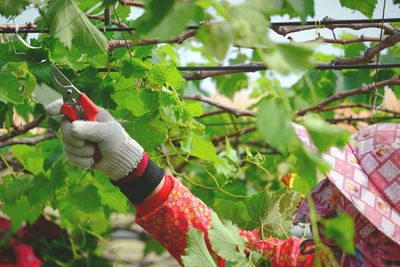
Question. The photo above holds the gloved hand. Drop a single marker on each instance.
(119, 152)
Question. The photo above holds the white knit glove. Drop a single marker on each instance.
(119, 152)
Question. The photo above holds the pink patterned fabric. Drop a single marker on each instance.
(368, 174)
(373, 247)
(169, 224)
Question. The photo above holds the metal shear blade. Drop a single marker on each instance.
(70, 93)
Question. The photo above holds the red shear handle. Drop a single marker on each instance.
(89, 108)
(70, 112)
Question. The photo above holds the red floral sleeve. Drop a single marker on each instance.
(177, 209)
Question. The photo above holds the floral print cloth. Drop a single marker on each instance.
(169, 224)
(373, 247)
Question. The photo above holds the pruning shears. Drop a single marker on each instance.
(77, 105)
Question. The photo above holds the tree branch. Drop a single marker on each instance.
(363, 89)
(360, 39)
(20, 26)
(28, 140)
(364, 119)
(25, 128)
(235, 111)
(243, 131)
(113, 44)
(359, 105)
(370, 54)
(285, 30)
(131, 3)
(202, 74)
(104, 19)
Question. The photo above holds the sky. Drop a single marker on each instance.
(331, 8)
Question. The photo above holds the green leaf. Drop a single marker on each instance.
(230, 84)
(133, 68)
(10, 8)
(22, 74)
(162, 74)
(341, 229)
(9, 90)
(85, 198)
(110, 195)
(234, 211)
(153, 245)
(306, 167)
(155, 19)
(225, 239)
(196, 252)
(155, 12)
(70, 25)
(20, 212)
(138, 101)
(293, 57)
(273, 211)
(303, 7)
(216, 38)
(201, 148)
(12, 188)
(274, 124)
(30, 157)
(325, 135)
(366, 7)
(193, 108)
(44, 188)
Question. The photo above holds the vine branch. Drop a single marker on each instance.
(235, 111)
(131, 3)
(28, 140)
(363, 89)
(25, 128)
(113, 44)
(370, 54)
(358, 105)
(360, 39)
(285, 30)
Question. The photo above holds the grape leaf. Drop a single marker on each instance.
(153, 245)
(325, 135)
(12, 188)
(225, 239)
(134, 67)
(21, 211)
(234, 211)
(31, 157)
(341, 229)
(162, 74)
(9, 90)
(43, 188)
(109, 194)
(85, 198)
(138, 101)
(306, 166)
(186, 11)
(293, 57)
(10, 8)
(366, 7)
(273, 122)
(217, 38)
(70, 25)
(273, 211)
(199, 147)
(304, 8)
(196, 252)
(20, 72)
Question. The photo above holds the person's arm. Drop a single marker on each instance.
(169, 211)
(165, 208)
